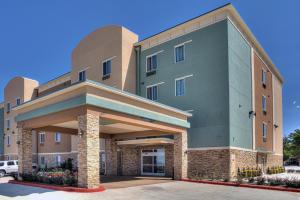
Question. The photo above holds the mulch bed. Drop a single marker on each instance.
(59, 188)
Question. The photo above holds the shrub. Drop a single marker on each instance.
(52, 177)
(249, 172)
(260, 180)
(276, 181)
(275, 170)
(294, 183)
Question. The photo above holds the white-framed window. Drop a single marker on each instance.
(42, 137)
(82, 75)
(106, 68)
(179, 87)
(264, 131)
(8, 140)
(151, 63)
(179, 52)
(58, 160)
(42, 160)
(264, 77)
(152, 92)
(8, 107)
(264, 104)
(57, 137)
(18, 101)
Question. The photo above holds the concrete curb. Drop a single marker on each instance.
(59, 188)
(264, 187)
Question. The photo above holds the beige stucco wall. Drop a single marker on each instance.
(110, 42)
(18, 87)
(278, 132)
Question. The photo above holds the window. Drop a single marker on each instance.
(179, 53)
(8, 124)
(264, 132)
(57, 137)
(264, 78)
(264, 104)
(82, 76)
(151, 63)
(8, 140)
(179, 87)
(106, 68)
(152, 93)
(18, 101)
(1, 164)
(42, 138)
(10, 163)
(57, 160)
(42, 160)
(8, 107)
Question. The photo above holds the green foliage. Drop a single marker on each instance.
(67, 164)
(291, 145)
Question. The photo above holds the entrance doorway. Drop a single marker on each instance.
(153, 162)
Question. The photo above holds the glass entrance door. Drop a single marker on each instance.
(153, 162)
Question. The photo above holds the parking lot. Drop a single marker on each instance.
(174, 190)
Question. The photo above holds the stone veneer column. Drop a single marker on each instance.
(88, 151)
(111, 157)
(24, 151)
(180, 155)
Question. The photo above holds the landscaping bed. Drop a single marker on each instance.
(265, 187)
(274, 179)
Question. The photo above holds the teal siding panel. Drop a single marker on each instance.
(206, 58)
(240, 89)
(1, 131)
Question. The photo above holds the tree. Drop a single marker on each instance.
(291, 145)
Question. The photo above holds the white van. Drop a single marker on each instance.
(8, 167)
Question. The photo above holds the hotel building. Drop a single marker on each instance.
(198, 100)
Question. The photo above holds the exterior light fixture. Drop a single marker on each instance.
(80, 133)
(252, 114)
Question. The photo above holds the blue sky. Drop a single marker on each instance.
(37, 37)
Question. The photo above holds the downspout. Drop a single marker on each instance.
(137, 60)
(37, 149)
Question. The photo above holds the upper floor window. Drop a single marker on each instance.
(18, 101)
(8, 107)
(106, 68)
(179, 87)
(57, 137)
(179, 53)
(151, 63)
(82, 76)
(8, 124)
(264, 78)
(264, 104)
(8, 140)
(42, 138)
(152, 92)
(264, 131)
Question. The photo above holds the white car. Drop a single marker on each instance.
(8, 167)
